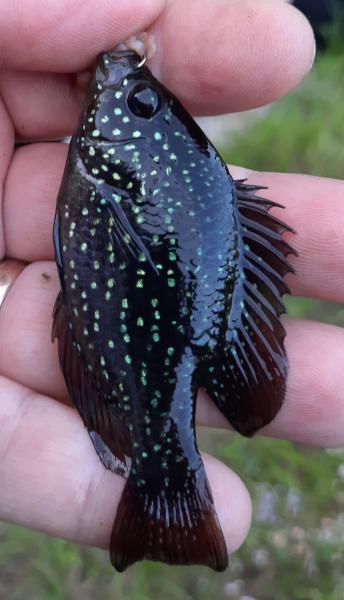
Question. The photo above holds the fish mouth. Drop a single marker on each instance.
(115, 65)
(131, 54)
(124, 57)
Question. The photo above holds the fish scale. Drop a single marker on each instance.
(171, 279)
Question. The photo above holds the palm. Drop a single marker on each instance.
(50, 476)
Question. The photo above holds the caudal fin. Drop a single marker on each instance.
(179, 528)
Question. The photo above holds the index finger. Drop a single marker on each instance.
(66, 35)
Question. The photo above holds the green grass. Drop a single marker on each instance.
(303, 133)
(296, 546)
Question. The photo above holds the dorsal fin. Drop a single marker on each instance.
(249, 387)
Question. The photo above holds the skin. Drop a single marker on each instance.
(51, 478)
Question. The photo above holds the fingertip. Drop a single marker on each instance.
(238, 56)
(300, 47)
(282, 50)
(232, 502)
(240, 172)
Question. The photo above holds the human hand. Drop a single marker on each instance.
(216, 57)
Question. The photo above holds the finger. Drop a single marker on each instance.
(313, 208)
(28, 211)
(42, 105)
(68, 34)
(313, 411)
(27, 354)
(6, 149)
(239, 56)
(52, 480)
(10, 269)
(216, 56)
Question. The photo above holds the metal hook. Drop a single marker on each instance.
(142, 62)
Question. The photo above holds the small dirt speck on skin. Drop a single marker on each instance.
(46, 276)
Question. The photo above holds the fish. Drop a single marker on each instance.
(172, 276)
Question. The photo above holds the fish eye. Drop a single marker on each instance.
(144, 101)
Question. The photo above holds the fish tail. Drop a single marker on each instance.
(177, 527)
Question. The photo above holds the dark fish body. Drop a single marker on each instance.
(171, 279)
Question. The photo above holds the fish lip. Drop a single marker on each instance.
(124, 57)
(115, 65)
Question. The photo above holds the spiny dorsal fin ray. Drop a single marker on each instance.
(249, 390)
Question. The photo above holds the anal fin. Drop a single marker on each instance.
(247, 379)
(107, 457)
(107, 431)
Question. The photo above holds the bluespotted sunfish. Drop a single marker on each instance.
(172, 275)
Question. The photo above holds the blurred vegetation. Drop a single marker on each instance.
(303, 133)
(295, 550)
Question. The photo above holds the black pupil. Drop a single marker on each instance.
(143, 101)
